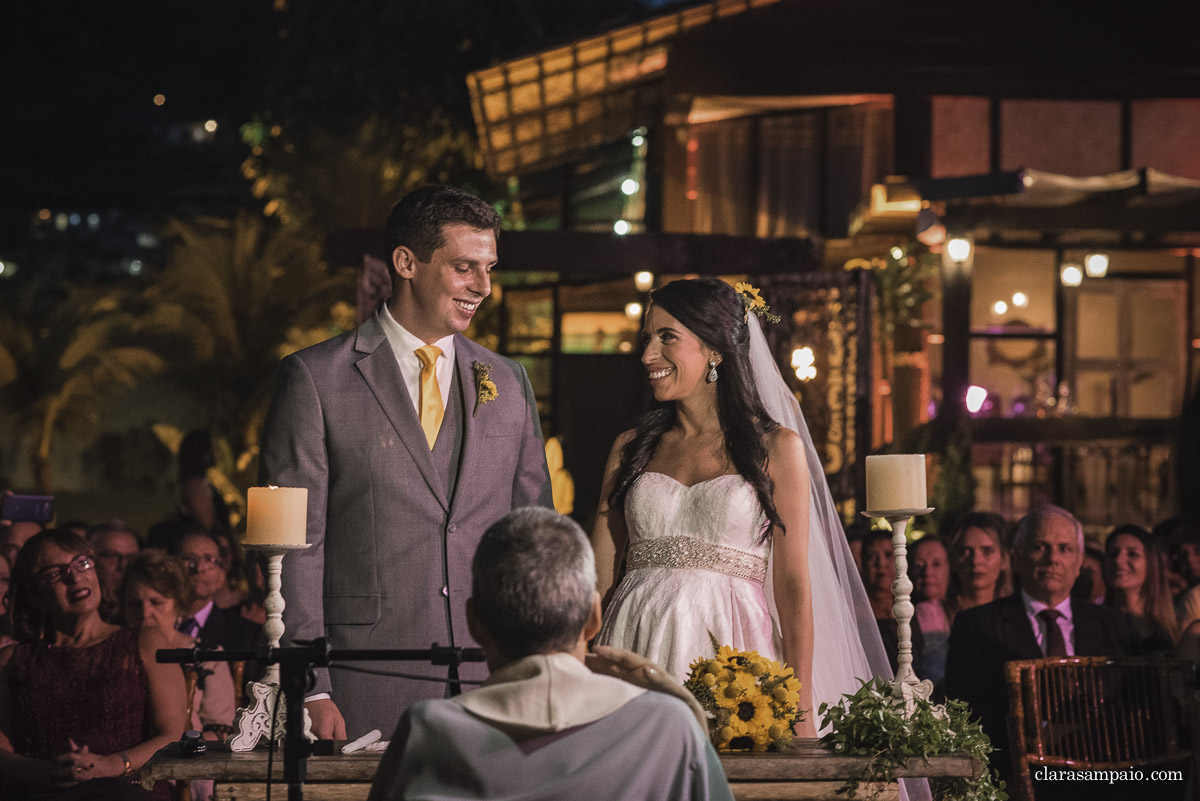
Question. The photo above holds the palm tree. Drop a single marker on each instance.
(242, 294)
(59, 365)
(336, 180)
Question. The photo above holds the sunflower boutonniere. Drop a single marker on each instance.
(753, 302)
(485, 389)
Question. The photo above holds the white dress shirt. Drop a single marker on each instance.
(404, 344)
(1066, 621)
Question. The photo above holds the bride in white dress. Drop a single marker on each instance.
(716, 506)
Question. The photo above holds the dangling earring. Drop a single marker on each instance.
(712, 371)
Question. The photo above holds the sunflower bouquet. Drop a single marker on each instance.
(753, 701)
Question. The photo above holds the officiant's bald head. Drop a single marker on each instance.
(533, 587)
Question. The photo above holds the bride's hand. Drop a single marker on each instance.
(640, 671)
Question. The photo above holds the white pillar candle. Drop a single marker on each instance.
(896, 481)
(277, 516)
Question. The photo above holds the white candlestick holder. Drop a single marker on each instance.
(906, 686)
(254, 721)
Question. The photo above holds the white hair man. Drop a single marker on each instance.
(543, 725)
(1039, 620)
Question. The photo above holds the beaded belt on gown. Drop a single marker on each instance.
(691, 553)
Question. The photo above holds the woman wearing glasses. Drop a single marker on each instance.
(81, 700)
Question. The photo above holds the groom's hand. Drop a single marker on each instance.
(327, 720)
(637, 669)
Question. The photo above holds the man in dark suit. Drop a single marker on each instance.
(212, 626)
(411, 440)
(1039, 620)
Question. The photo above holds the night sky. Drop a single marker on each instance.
(78, 81)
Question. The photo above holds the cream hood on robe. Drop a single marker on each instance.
(547, 693)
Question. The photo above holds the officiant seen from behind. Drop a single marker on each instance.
(574, 733)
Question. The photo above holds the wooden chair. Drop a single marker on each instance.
(1100, 713)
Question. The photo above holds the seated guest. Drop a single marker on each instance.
(166, 534)
(1090, 584)
(855, 532)
(573, 733)
(244, 586)
(1164, 533)
(1039, 620)
(156, 590)
(929, 569)
(81, 700)
(1132, 573)
(878, 573)
(1183, 543)
(979, 561)
(115, 548)
(212, 626)
(14, 534)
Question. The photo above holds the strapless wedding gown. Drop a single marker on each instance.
(694, 567)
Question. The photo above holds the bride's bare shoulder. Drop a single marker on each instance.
(618, 446)
(783, 439)
(785, 448)
(623, 438)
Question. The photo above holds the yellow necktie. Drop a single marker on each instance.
(431, 396)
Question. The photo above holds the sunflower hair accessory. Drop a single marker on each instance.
(752, 301)
(485, 389)
(752, 701)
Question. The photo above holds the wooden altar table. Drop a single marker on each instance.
(805, 773)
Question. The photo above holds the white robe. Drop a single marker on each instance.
(544, 728)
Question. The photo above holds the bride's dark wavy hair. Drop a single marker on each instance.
(710, 309)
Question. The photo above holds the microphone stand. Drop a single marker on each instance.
(295, 662)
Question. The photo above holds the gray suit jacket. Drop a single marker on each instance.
(390, 559)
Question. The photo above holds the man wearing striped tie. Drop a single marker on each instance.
(1041, 619)
(411, 440)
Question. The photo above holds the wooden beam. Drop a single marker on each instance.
(602, 254)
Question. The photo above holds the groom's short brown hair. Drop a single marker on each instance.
(417, 221)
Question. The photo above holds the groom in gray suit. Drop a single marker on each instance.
(411, 440)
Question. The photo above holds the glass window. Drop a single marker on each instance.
(1152, 393)
(600, 332)
(599, 317)
(1018, 374)
(1098, 316)
(530, 320)
(539, 371)
(1095, 393)
(1129, 340)
(1013, 290)
(1156, 332)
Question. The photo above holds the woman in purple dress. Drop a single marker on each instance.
(83, 704)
